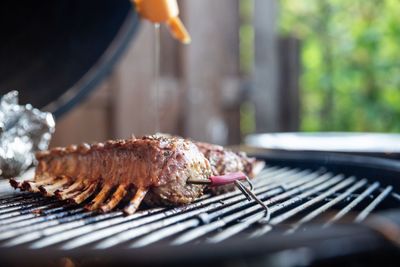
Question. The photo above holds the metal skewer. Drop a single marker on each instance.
(234, 178)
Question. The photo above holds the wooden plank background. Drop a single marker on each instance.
(200, 84)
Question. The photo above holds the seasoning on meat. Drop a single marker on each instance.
(153, 169)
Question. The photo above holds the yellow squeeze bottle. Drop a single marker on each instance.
(164, 11)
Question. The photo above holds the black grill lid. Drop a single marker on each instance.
(55, 52)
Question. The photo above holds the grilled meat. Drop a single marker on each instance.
(153, 168)
(224, 161)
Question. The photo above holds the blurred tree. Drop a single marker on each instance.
(351, 62)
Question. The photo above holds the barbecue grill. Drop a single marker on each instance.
(323, 207)
(326, 209)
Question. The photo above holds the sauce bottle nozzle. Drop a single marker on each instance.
(164, 11)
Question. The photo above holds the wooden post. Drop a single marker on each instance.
(133, 107)
(289, 52)
(208, 63)
(266, 91)
(134, 99)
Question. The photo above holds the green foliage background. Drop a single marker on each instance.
(350, 62)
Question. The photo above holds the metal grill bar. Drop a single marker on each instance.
(205, 229)
(326, 206)
(12, 198)
(24, 205)
(38, 222)
(26, 210)
(207, 217)
(32, 213)
(238, 227)
(121, 228)
(353, 204)
(54, 238)
(136, 232)
(373, 204)
(42, 222)
(17, 201)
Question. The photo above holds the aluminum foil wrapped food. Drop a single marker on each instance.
(23, 131)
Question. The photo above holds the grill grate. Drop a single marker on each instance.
(295, 198)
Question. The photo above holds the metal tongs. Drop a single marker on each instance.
(236, 178)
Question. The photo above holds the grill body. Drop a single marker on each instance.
(324, 206)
